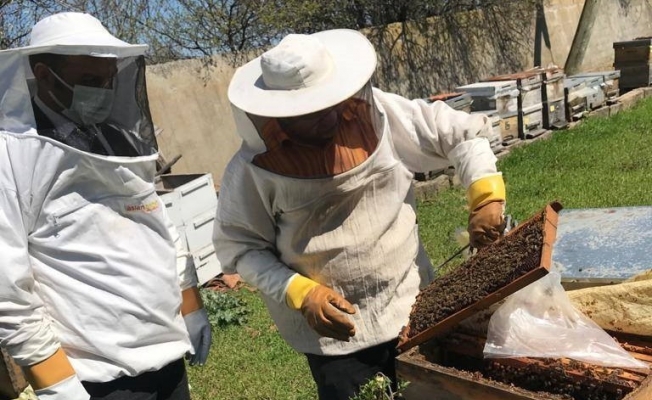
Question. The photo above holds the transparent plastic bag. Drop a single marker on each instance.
(540, 321)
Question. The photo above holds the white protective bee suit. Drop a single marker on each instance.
(355, 232)
(88, 262)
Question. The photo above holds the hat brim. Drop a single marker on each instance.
(97, 45)
(354, 60)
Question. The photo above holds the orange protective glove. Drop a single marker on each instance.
(322, 307)
(486, 198)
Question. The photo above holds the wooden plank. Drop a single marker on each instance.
(12, 380)
(643, 392)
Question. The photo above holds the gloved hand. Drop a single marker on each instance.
(68, 389)
(486, 224)
(486, 197)
(322, 307)
(197, 325)
(199, 331)
(55, 379)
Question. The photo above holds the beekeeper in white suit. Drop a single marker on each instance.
(95, 299)
(317, 208)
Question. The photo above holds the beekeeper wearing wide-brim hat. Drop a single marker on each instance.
(91, 280)
(317, 208)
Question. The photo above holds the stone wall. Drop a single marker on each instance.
(189, 103)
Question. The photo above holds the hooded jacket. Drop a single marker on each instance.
(90, 261)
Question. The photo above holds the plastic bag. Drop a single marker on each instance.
(540, 321)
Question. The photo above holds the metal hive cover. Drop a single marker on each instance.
(603, 243)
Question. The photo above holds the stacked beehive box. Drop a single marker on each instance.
(529, 100)
(494, 136)
(595, 94)
(191, 203)
(609, 82)
(553, 98)
(459, 101)
(464, 102)
(575, 93)
(633, 59)
(497, 97)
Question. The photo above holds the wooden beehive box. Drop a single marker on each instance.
(554, 100)
(633, 59)
(458, 100)
(444, 360)
(530, 101)
(452, 368)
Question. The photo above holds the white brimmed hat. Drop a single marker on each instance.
(304, 74)
(76, 33)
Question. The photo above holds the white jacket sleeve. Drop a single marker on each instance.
(185, 263)
(24, 331)
(430, 136)
(244, 233)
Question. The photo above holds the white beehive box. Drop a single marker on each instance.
(191, 203)
(501, 96)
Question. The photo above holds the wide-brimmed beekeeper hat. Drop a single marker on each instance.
(304, 74)
(73, 33)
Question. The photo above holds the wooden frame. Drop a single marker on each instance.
(549, 235)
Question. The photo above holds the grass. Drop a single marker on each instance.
(604, 162)
(251, 361)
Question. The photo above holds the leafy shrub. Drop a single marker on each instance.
(223, 309)
(380, 388)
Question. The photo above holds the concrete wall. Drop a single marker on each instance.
(618, 20)
(189, 104)
(188, 98)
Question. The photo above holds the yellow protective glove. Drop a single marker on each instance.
(486, 198)
(322, 307)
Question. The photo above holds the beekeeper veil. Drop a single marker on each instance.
(303, 75)
(115, 97)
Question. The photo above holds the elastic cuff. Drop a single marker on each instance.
(191, 300)
(50, 371)
(485, 190)
(298, 289)
(69, 389)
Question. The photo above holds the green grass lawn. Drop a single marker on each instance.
(604, 162)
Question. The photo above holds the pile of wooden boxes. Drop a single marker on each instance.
(530, 106)
(553, 97)
(633, 58)
(464, 102)
(609, 82)
(499, 98)
(191, 203)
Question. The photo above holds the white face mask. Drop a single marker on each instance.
(90, 105)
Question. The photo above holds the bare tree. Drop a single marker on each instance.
(177, 29)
